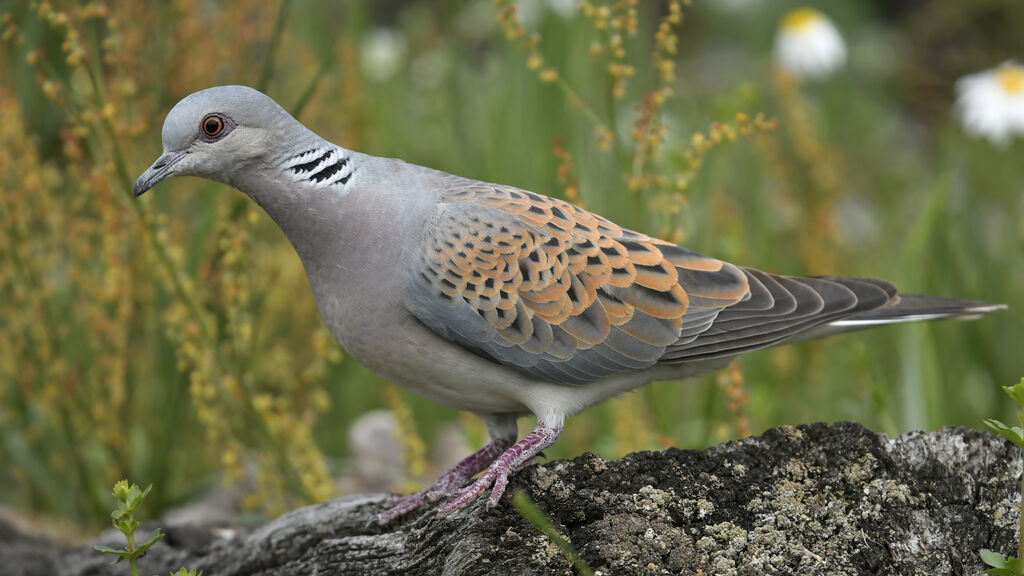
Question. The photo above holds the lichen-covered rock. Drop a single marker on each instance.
(819, 499)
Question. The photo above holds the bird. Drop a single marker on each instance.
(496, 300)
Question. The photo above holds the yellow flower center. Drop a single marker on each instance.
(800, 19)
(1011, 78)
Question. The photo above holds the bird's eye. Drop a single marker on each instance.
(213, 125)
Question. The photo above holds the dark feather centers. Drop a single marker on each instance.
(303, 168)
(329, 171)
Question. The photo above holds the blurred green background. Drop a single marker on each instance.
(174, 340)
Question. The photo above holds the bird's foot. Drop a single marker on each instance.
(496, 475)
(448, 481)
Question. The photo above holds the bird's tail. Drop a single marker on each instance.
(782, 310)
(904, 308)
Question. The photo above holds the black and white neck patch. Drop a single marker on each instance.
(321, 167)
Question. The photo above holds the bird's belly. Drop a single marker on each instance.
(383, 336)
(397, 347)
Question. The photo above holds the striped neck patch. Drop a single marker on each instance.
(320, 167)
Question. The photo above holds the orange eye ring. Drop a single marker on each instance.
(212, 125)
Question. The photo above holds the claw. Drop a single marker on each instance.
(497, 474)
(451, 480)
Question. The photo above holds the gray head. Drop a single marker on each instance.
(218, 132)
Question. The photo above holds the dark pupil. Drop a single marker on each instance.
(212, 126)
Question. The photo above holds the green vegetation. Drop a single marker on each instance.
(529, 511)
(175, 340)
(129, 497)
(1002, 565)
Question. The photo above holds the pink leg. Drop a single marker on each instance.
(497, 474)
(503, 434)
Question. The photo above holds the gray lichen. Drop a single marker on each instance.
(820, 499)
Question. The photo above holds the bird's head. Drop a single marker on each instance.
(215, 133)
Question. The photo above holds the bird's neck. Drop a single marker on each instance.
(321, 198)
(304, 189)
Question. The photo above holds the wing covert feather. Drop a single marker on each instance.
(557, 292)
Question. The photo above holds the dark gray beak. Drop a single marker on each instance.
(160, 170)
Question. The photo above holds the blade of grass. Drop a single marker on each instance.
(529, 511)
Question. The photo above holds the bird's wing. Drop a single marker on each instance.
(557, 292)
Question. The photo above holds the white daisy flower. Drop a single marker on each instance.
(991, 103)
(807, 45)
(382, 52)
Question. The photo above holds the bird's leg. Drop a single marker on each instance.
(503, 434)
(543, 435)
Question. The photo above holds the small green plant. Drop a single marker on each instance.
(186, 572)
(1003, 565)
(129, 497)
(528, 510)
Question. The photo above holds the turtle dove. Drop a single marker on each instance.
(495, 300)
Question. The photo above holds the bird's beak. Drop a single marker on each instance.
(160, 170)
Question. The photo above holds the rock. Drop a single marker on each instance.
(818, 499)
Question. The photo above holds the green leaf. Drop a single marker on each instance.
(1016, 392)
(153, 538)
(127, 525)
(1001, 565)
(1015, 434)
(992, 558)
(134, 498)
(1001, 572)
(121, 554)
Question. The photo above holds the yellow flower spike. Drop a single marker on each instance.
(548, 75)
(535, 61)
(50, 89)
(264, 404)
(229, 458)
(320, 400)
